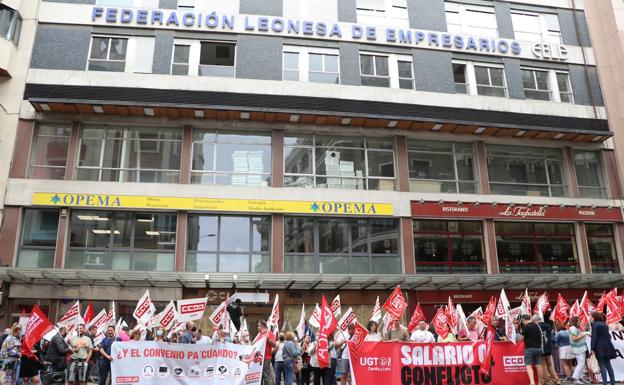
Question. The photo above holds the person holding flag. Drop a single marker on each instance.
(578, 348)
(263, 331)
(57, 350)
(373, 331)
(396, 332)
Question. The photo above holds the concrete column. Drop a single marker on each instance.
(407, 232)
(489, 239)
(9, 235)
(619, 244)
(72, 151)
(402, 164)
(568, 159)
(277, 243)
(482, 175)
(277, 163)
(23, 141)
(185, 159)
(180, 249)
(582, 248)
(61, 238)
(610, 169)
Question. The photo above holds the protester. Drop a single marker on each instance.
(104, 348)
(124, 334)
(29, 368)
(221, 335)
(290, 354)
(396, 332)
(57, 351)
(135, 334)
(549, 374)
(329, 373)
(450, 337)
(187, 337)
(159, 334)
(11, 352)
(235, 311)
(306, 370)
(566, 358)
(373, 332)
(81, 348)
(344, 366)
(499, 332)
(602, 347)
(532, 336)
(421, 334)
(278, 358)
(472, 334)
(263, 331)
(201, 338)
(578, 349)
(314, 364)
(95, 356)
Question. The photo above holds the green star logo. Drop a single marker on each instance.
(56, 199)
(314, 207)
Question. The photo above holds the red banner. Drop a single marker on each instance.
(520, 212)
(457, 363)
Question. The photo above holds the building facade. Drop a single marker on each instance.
(297, 148)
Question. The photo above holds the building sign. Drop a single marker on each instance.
(549, 51)
(279, 26)
(515, 212)
(110, 201)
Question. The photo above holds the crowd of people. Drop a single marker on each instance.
(290, 358)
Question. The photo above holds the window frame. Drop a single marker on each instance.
(15, 27)
(614, 263)
(35, 145)
(603, 181)
(22, 232)
(548, 36)
(195, 55)
(110, 38)
(385, 14)
(173, 62)
(553, 84)
(393, 68)
(303, 61)
(314, 175)
(472, 88)
(465, 27)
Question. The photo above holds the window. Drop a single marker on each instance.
(228, 158)
(111, 240)
(536, 27)
(308, 64)
(217, 59)
(460, 78)
(471, 20)
(116, 154)
(228, 7)
(326, 10)
(589, 174)
(531, 171)
(49, 151)
(10, 23)
(38, 241)
(180, 62)
(547, 85)
(108, 54)
(341, 245)
(382, 12)
(231, 244)
(448, 247)
(490, 80)
(339, 162)
(602, 251)
(441, 167)
(395, 71)
(536, 247)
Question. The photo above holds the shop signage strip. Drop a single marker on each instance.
(515, 212)
(111, 201)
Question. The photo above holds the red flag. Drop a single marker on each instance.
(359, 335)
(328, 324)
(440, 323)
(451, 315)
(487, 358)
(88, 315)
(395, 304)
(613, 307)
(38, 326)
(575, 309)
(560, 313)
(416, 318)
(601, 304)
(489, 311)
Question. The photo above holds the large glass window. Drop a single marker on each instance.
(383, 12)
(229, 244)
(527, 247)
(217, 59)
(602, 251)
(536, 27)
(589, 174)
(339, 162)
(48, 157)
(532, 171)
(441, 167)
(490, 80)
(116, 154)
(341, 245)
(542, 84)
(309, 64)
(471, 20)
(448, 246)
(395, 71)
(115, 240)
(108, 54)
(38, 241)
(180, 59)
(228, 158)
(10, 23)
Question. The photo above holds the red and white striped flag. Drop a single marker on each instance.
(275, 316)
(144, 310)
(335, 306)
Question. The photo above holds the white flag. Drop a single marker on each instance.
(244, 333)
(335, 307)
(218, 314)
(376, 311)
(385, 323)
(503, 305)
(112, 317)
(191, 309)
(145, 309)
(70, 317)
(300, 329)
(510, 329)
(526, 302)
(165, 318)
(99, 321)
(274, 317)
(315, 318)
(461, 317)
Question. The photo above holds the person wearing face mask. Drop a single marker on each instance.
(81, 348)
(105, 355)
(159, 334)
(279, 359)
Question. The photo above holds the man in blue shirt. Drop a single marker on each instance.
(187, 337)
(105, 355)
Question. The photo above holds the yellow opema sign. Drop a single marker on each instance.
(111, 201)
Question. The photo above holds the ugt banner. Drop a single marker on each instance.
(160, 363)
(455, 363)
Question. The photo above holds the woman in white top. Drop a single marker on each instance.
(279, 360)
(373, 332)
(314, 364)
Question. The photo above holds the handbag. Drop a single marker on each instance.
(298, 365)
(592, 364)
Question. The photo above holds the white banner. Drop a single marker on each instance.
(161, 363)
(617, 337)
